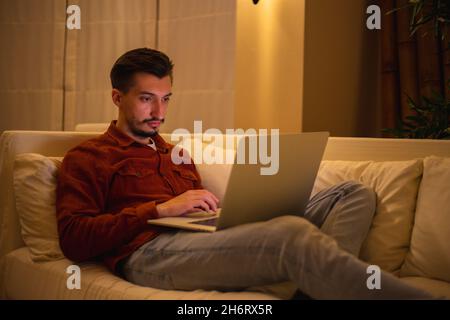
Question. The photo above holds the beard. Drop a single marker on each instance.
(133, 125)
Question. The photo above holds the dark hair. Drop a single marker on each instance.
(144, 60)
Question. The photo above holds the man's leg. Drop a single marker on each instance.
(345, 212)
(287, 248)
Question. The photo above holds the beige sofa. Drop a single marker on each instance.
(409, 236)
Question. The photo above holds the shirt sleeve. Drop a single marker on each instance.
(85, 229)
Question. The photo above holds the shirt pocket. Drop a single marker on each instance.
(135, 179)
(185, 179)
(137, 170)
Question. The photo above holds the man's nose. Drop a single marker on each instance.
(157, 109)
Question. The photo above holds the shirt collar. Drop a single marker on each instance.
(124, 140)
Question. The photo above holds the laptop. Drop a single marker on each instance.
(253, 197)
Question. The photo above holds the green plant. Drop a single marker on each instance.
(430, 119)
(428, 12)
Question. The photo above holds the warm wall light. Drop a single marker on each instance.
(255, 1)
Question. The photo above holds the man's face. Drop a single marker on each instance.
(144, 106)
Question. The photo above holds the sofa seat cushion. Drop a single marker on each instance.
(22, 278)
(436, 287)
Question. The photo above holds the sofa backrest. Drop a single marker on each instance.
(56, 143)
(378, 149)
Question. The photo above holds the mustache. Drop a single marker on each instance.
(154, 119)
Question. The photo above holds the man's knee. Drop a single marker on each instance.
(290, 221)
(294, 234)
(359, 191)
(285, 228)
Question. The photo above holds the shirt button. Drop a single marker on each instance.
(138, 174)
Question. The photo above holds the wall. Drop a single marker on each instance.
(341, 80)
(296, 65)
(199, 36)
(269, 65)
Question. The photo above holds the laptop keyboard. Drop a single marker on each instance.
(210, 222)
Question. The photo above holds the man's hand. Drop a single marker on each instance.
(188, 202)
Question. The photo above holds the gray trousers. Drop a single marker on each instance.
(322, 263)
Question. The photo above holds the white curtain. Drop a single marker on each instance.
(109, 28)
(31, 64)
(53, 78)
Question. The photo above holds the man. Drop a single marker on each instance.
(111, 185)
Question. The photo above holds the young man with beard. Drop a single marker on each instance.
(111, 185)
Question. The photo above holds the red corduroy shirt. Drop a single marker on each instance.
(108, 187)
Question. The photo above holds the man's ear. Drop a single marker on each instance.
(116, 97)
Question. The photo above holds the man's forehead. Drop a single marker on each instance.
(150, 84)
(155, 93)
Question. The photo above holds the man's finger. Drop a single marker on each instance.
(215, 198)
(210, 200)
(201, 205)
(210, 194)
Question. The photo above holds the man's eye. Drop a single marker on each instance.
(145, 99)
(166, 99)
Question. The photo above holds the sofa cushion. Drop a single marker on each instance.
(48, 280)
(333, 172)
(215, 175)
(429, 254)
(396, 184)
(440, 289)
(215, 178)
(34, 187)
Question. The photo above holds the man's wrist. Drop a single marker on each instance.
(160, 210)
